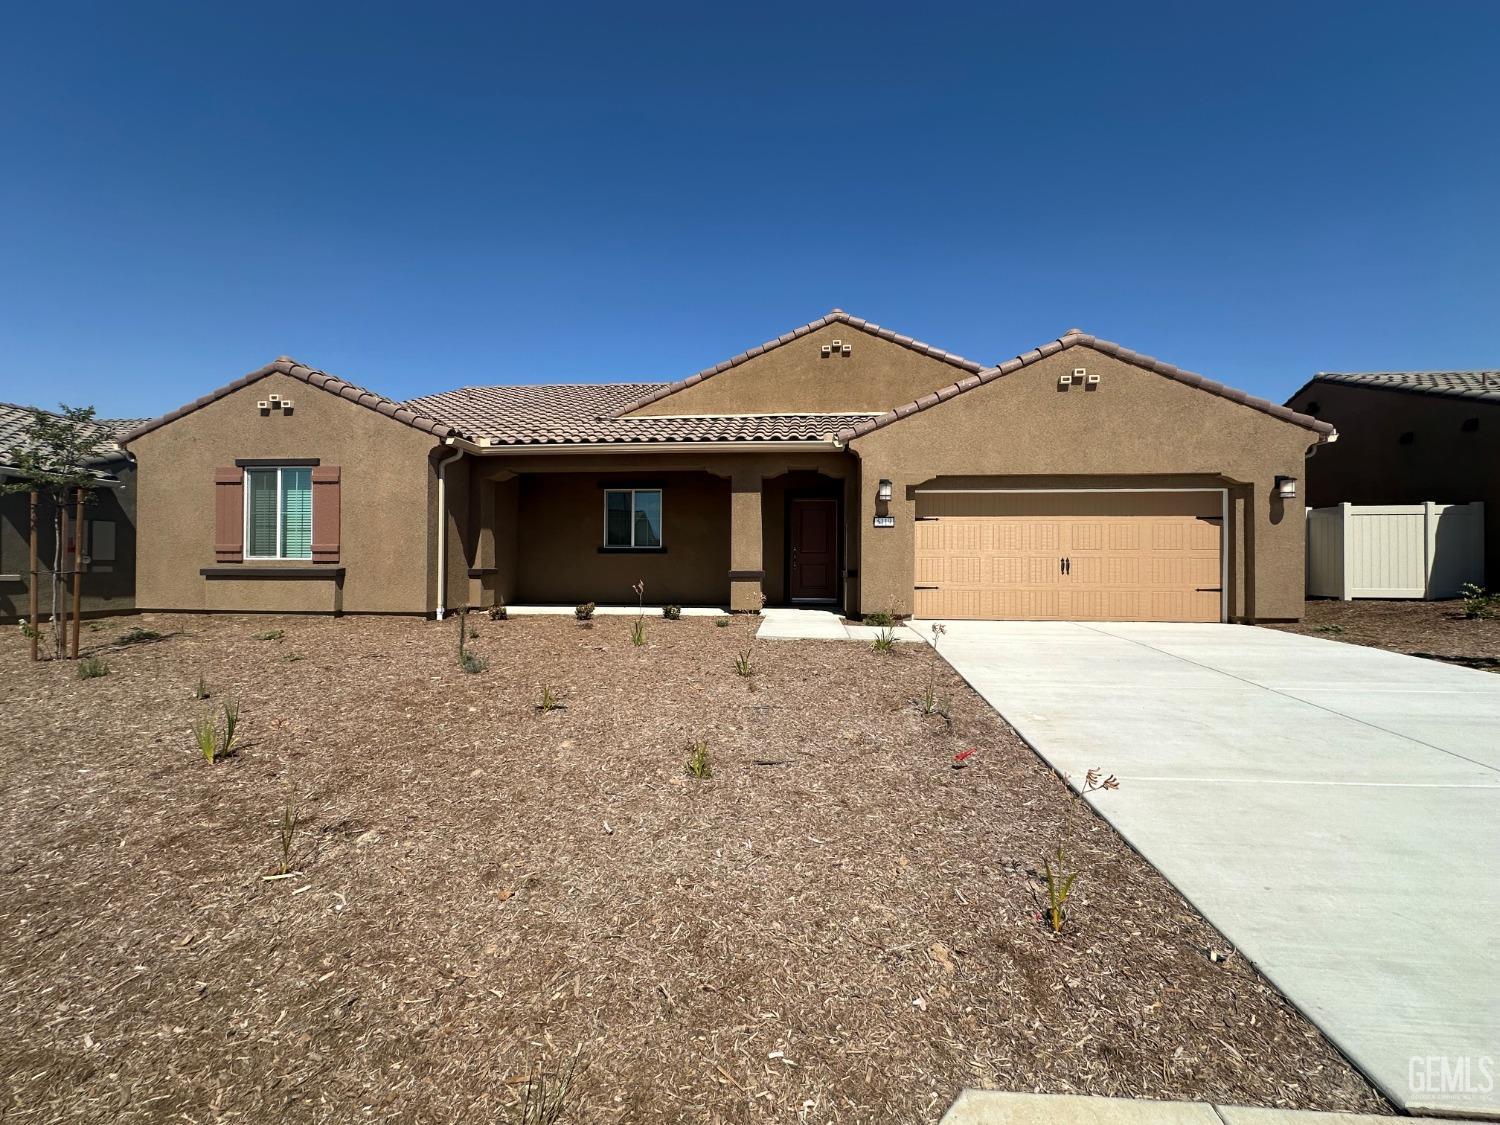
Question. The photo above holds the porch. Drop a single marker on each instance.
(738, 531)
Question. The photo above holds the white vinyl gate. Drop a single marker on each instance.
(1394, 550)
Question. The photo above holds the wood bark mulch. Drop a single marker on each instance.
(836, 926)
(1432, 630)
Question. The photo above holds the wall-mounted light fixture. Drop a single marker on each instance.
(1286, 487)
(883, 491)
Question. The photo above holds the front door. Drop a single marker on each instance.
(814, 549)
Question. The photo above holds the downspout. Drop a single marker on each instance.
(442, 529)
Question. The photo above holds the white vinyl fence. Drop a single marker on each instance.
(1394, 550)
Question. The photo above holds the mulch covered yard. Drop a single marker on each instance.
(1435, 630)
(836, 926)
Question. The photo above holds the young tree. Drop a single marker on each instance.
(52, 460)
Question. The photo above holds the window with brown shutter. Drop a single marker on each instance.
(229, 514)
(325, 514)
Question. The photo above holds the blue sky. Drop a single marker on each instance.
(415, 197)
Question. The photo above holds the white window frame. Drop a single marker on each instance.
(279, 470)
(661, 505)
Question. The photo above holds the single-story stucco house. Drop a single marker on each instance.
(841, 464)
(1408, 437)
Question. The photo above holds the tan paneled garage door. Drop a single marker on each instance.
(1084, 556)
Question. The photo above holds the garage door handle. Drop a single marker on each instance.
(927, 587)
(1210, 589)
(1065, 566)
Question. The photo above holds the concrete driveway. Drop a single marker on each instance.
(1334, 810)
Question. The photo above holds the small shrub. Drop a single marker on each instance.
(231, 721)
(138, 636)
(545, 1098)
(291, 658)
(201, 691)
(549, 701)
(207, 738)
(273, 635)
(473, 664)
(721, 622)
(211, 744)
(95, 626)
(473, 633)
(1330, 629)
(885, 640)
(1059, 887)
(498, 613)
(288, 835)
(1478, 602)
(671, 612)
(638, 632)
(930, 703)
(91, 668)
(742, 665)
(29, 630)
(880, 620)
(1059, 881)
(697, 761)
(585, 612)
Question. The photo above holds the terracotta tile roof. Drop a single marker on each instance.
(313, 378)
(1481, 385)
(1069, 339)
(584, 414)
(16, 420)
(837, 316)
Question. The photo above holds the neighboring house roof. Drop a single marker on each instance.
(15, 422)
(837, 316)
(1071, 338)
(586, 414)
(313, 378)
(1481, 385)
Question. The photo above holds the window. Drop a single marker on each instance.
(278, 513)
(632, 518)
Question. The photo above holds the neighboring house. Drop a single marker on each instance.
(1406, 437)
(841, 464)
(109, 534)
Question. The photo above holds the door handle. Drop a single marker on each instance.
(1065, 565)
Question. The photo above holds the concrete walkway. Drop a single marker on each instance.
(990, 1107)
(820, 625)
(1334, 810)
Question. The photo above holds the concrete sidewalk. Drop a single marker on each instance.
(1333, 810)
(991, 1107)
(821, 625)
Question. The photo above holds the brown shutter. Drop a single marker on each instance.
(229, 515)
(325, 513)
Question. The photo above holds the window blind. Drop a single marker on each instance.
(260, 519)
(296, 513)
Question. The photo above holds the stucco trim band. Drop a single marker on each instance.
(335, 572)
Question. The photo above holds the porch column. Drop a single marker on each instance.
(746, 561)
(482, 568)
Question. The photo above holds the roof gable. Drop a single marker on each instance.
(312, 377)
(1074, 338)
(835, 317)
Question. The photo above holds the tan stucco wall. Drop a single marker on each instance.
(1134, 429)
(878, 376)
(388, 511)
(1443, 462)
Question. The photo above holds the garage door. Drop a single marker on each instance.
(1087, 556)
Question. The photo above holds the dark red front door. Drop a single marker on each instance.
(814, 543)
